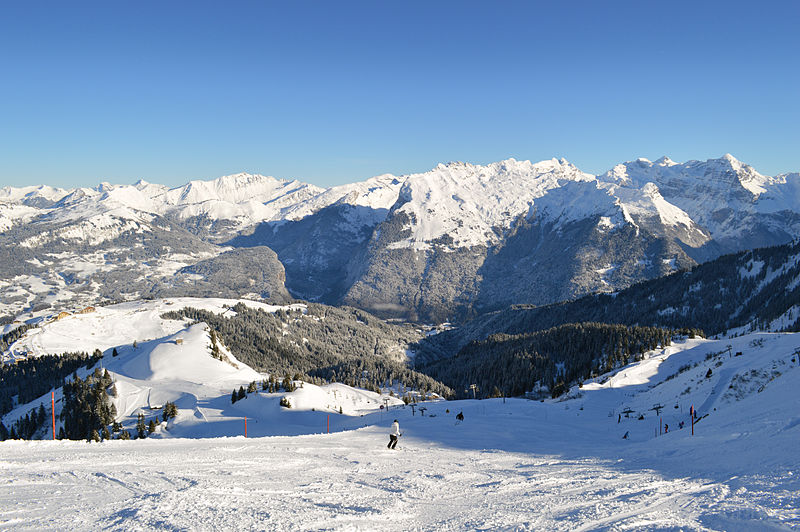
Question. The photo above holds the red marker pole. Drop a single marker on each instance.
(53, 410)
(245, 426)
(691, 413)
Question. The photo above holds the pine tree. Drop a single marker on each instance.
(151, 427)
(242, 394)
(252, 387)
(215, 346)
(234, 396)
(94, 436)
(140, 426)
(114, 352)
(105, 434)
(170, 411)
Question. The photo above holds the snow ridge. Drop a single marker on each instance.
(473, 204)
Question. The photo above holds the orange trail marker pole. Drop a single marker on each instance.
(53, 410)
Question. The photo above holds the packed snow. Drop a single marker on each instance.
(511, 464)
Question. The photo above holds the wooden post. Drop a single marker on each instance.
(53, 407)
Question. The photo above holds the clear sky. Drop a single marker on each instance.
(331, 92)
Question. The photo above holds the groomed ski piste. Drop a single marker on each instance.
(512, 464)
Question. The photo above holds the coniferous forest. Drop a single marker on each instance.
(550, 360)
(335, 344)
(30, 378)
(87, 411)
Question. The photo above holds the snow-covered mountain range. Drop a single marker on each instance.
(436, 246)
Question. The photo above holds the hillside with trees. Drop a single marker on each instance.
(548, 361)
(334, 344)
(756, 290)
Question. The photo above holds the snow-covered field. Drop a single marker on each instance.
(510, 465)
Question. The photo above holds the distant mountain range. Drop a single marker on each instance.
(443, 245)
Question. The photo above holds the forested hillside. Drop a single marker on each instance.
(28, 379)
(758, 289)
(549, 361)
(336, 344)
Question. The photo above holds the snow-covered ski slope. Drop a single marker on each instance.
(510, 465)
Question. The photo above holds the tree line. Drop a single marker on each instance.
(326, 343)
(33, 377)
(553, 359)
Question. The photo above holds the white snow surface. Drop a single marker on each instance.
(118, 325)
(512, 464)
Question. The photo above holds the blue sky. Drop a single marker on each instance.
(335, 92)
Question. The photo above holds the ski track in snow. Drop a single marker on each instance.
(349, 481)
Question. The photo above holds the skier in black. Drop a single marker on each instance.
(460, 416)
(394, 435)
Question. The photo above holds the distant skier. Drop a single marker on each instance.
(625, 437)
(394, 435)
(460, 416)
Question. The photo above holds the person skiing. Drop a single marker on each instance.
(394, 435)
(460, 416)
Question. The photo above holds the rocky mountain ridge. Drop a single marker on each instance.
(441, 245)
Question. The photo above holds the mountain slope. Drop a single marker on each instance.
(742, 292)
(730, 199)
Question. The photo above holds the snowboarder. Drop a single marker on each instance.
(460, 416)
(666, 428)
(394, 435)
